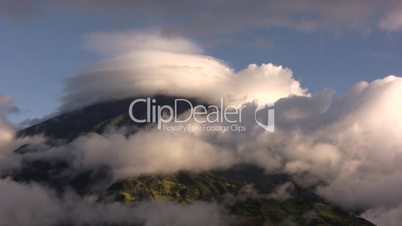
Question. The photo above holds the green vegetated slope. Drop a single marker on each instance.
(256, 207)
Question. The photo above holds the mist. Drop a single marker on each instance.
(36, 205)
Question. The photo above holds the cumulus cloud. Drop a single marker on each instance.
(149, 63)
(352, 143)
(32, 204)
(366, 133)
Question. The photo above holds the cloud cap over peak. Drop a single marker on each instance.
(172, 66)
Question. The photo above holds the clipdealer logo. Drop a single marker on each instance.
(207, 118)
(267, 123)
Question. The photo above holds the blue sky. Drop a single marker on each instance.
(45, 45)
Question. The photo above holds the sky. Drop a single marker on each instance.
(325, 45)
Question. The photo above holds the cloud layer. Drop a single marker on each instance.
(32, 204)
(226, 16)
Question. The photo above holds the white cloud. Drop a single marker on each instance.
(172, 66)
(140, 154)
(356, 146)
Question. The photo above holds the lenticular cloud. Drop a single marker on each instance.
(148, 63)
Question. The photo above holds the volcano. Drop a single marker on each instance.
(249, 194)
